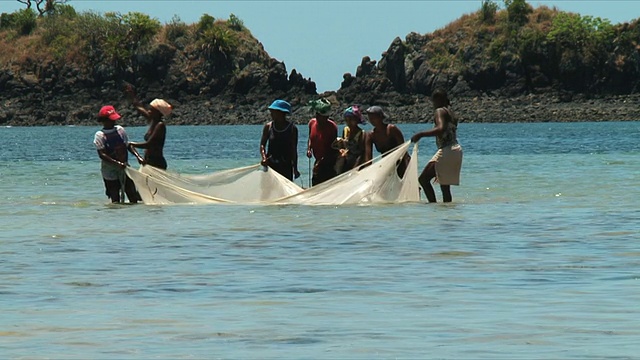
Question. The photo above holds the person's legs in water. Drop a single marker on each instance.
(130, 189)
(323, 171)
(112, 190)
(446, 193)
(425, 177)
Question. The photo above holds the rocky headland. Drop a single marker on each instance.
(518, 64)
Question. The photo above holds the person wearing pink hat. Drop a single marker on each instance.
(154, 139)
(112, 143)
(352, 143)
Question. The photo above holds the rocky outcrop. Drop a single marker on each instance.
(525, 70)
(205, 87)
(491, 75)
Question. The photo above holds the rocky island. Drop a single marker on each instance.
(517, 64)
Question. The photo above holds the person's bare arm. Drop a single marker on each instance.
(368, 146)
(104, 156)
(309, 153)
(396, 134)
(263, 144)
(437, 129)
(294, 152)
(133, 98)
(135, 153)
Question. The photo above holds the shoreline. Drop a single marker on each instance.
(482, 109)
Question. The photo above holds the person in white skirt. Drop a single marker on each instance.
(445, 165)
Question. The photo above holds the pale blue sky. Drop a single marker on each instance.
(325, 39)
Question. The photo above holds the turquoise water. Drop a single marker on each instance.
(538, 256)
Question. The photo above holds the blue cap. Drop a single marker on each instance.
(281, 105)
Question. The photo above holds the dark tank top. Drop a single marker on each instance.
(280, 143)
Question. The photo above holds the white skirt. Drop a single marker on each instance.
(448, 164)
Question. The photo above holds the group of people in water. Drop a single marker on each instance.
(113, 144)
(332, 155)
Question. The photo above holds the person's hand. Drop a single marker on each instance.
(264, 161)
(296, 173)
(415, 138)
(309, 153)
(122, 165)
(141, 161)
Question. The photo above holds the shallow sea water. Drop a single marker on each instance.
(537, 257)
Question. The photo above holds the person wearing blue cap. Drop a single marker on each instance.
(279, 142)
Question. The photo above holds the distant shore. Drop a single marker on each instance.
(484, 109)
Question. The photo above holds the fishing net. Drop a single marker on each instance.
(374, 184)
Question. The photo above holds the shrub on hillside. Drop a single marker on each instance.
(24, 21)
(518, 11)
(218, 40)
(488, 11)
(206, 22)
(589, 38)
(59, 35)
(63, 10)
(175, 30)
(235, 23)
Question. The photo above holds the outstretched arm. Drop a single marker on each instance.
(133, 98)
(135, 153)
(104, 156)
(436, 130)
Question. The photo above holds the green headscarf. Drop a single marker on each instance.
(320, 107)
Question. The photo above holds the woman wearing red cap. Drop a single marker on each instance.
(153, 143)
(112, 143)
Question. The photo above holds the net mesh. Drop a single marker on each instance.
(374, 184)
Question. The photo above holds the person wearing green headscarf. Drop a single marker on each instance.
(322, 132)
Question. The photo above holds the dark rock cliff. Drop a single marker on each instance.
(218, 73)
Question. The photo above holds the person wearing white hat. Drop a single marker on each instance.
(154, 139)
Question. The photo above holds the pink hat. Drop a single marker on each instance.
(109, 112)
(162, 106)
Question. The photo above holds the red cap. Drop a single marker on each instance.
(109, 112)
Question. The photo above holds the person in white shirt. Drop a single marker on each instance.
(112, 144)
